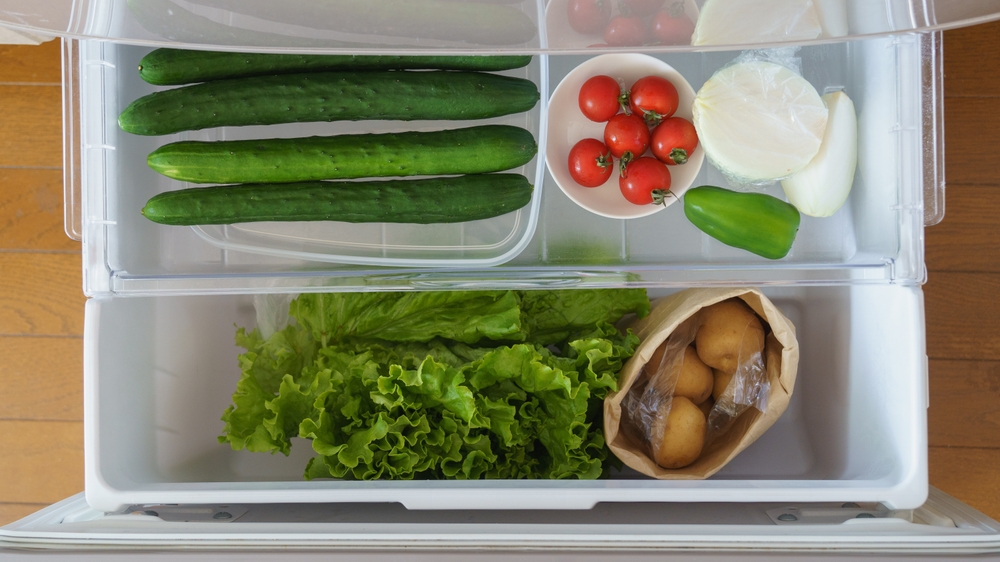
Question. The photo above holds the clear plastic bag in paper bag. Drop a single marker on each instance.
(666, 420)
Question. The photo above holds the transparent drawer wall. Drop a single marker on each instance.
(877, 237)
(160, 371)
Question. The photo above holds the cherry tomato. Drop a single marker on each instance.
(641, 8)
(673, 141)
(600, 98)
(625, 31)
(654, 98)
(627, 136)
(588, 16)
(646, 180)
(590, 163)
(671, 26)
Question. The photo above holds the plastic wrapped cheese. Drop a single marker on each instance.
(759, 121)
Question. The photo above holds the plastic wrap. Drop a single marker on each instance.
(758, 119)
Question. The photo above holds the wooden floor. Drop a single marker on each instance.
(41, 303)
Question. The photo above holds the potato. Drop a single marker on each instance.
(683, 435)
(722, 380)
(695, 379)
(730, 332)
(706, 407)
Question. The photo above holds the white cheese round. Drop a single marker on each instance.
(759, 121)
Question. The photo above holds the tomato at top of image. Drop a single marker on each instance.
(588, 16)
(654, 98)
(671, 26)
(645, 181)
(625, 31)
(641, 8)
(600, 98)
(673, 141)
(626, 133)
(590, 163)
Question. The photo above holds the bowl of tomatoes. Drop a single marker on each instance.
(620, 139)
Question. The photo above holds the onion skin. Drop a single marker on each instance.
(822, 187)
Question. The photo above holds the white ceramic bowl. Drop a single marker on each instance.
(568, 125)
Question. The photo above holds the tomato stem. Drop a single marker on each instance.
(625, 159)
(652, 118)
(623, 101)
(605, 160)
(679, 156)
(660, 196)
(676, 10)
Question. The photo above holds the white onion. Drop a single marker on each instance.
(725, 22)
(759, 121)
(822, 187)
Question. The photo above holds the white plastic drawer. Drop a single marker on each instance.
(160, 371)
(877, 237)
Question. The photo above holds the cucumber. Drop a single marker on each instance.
(478, 23)
(473, 150)
(329, 96)
(424, 201)
(171, 67)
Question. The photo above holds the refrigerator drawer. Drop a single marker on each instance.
(876, 237)
(160, 371)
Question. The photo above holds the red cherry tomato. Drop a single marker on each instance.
(646, 180)
(641, 8)
(673, 141)
(600, 98)
(626, 134)
(588, 16)
(590, 163)
(671, 26)
(654, 98)
(625, 31)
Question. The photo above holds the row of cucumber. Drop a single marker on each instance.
(281, 179)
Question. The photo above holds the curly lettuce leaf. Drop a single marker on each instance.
(552, 317)
(435, 407)
(464, 316)
(265, 365)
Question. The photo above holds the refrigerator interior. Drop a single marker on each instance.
(875, 237)
(160, 371)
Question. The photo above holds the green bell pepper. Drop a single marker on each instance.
(755, 222)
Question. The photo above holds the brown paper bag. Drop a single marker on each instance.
(782, 359)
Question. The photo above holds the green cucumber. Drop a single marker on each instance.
(329, 96)
(424, 201)
(171, 67)
(755, 222)
(473, 150)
